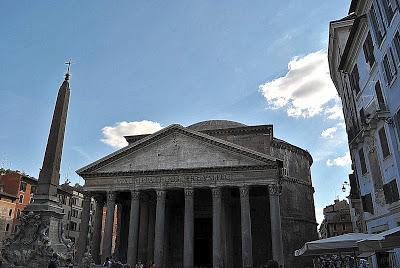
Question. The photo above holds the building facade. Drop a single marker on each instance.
(22, 187)
(337, 220)
(364, 61)
(71, 199)
(7, 209)
(217, 193)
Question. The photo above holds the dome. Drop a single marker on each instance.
(215, 124)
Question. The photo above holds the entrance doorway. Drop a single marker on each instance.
(203, 242)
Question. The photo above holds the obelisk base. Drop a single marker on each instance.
(39, 238)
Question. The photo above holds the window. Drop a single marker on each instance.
(377, 25)
(396, 44)
(390, 8)
(75, 213)
(18, 213)
(344, 227)
(367, 203)
(379, 96)
(21, 199)
(362, 161)
(389, 66)
(22, 186)
(384, 142)
(397, 123)
(354, 79)
(10, 212)
(362, 117)
(391, 192)
(7, 227)
(368, 48)
(33, 189)
(73, 226)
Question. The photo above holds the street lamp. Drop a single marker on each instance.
(345, 185)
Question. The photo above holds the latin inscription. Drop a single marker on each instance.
(174, 179)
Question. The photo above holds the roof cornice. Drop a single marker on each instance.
(360, 23)
(280, 144)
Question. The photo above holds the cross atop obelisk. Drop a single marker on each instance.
(67, 74)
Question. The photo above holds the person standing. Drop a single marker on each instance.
(139, 264)
(53, 261)
(107, 263)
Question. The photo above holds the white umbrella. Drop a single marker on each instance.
(346, 243)
(386, 240)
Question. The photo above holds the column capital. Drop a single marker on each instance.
(244, 191)
(216, 191)
(135, 194)
(87, 196)
(188, 192)
(111, 196)
(274, 190)
(99, 199)
(160, 194)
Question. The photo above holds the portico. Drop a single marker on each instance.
(187, 199)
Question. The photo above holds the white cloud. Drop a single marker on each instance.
(114, 135)
(305, 90)
(328, 133)
(335, 112)
(341, 161)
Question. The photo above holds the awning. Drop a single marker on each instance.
(386, 240)
(346, 243)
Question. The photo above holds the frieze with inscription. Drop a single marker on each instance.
(184, 180)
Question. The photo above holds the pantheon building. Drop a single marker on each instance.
(214, 194)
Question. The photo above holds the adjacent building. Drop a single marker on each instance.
(20, 186)
(71, 199)
(7, 209)
(217, 193)
(337, 220)
(364, 61)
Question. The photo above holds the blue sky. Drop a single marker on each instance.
(169, 62)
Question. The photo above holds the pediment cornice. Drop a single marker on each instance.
(268, 160)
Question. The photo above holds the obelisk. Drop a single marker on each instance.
(49, 176)
(40, 236)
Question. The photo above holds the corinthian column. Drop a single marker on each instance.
(276, 229)
(133, 228)
(84, 229)
(217, 253)
(98, 222)
(159, 229)
(107, 241)
(247, 252)
(188, 230)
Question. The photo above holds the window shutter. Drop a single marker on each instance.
(384, 142)
(389, 11)
(388, 193)
(379, 96)
(368, 48)
(355, 78)
(386, 66)
(395, 190)
(362, 161)
(393, 68)
(396, 41)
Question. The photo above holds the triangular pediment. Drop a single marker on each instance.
(177, 148)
